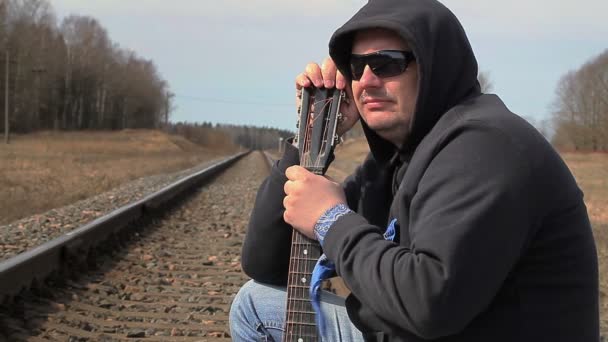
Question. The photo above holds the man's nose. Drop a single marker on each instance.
(369, 79)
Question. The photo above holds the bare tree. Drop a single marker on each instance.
(580, 110)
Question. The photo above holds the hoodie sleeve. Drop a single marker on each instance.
(265, 253)
(468, 223)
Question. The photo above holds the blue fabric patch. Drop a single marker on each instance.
(324, 269)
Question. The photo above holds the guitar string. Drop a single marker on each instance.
(317, 163)
(328, 102)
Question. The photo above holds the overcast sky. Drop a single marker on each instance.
(234, 61)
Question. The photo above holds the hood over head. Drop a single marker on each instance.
(447, 68)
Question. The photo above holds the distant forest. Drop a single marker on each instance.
(207, 134)
(72, 76)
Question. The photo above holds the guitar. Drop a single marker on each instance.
(318, 117)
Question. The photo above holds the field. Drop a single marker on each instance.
(591, 172)
(46, 170)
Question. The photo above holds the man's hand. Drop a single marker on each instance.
(328, 76)
(308, 196)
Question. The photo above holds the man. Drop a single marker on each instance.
(493, 241)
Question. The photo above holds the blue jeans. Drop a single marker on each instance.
(258, 314)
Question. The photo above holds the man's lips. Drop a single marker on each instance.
(372, 101)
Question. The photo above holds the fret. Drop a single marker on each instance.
(302, 334)
(304, 240)
(303, 338)
(304, 323)
(307, 250)
(309, 313)
(294, 286)
(310, 318)
(304, 243)
(298, 300)
(306, 259)
(302, 272)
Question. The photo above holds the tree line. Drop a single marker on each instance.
(71, 75)
(580, 110)
(250, 137)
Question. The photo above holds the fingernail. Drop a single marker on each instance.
(328, 83)
(340, 84)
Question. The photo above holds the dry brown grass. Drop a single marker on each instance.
(349, 155)
(46, 170)
(591, 172)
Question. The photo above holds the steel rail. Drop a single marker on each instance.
(21, 271)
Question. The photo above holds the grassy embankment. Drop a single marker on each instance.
(47, 170)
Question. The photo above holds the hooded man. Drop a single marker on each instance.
(492, 238)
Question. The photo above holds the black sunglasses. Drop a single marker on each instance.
(383, 63)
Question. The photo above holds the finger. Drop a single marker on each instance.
(296, 173)
(288, 187)
(313, 71)
(286, 202)
(340, 80)
(302, 81)
(287, 217)
(328, 71)
(291, 172)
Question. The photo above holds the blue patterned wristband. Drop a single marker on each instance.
(330, 216)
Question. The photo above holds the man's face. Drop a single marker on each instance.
(385, 104)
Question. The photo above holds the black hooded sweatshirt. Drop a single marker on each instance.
(493, 240)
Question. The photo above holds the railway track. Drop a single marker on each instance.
(171, 279)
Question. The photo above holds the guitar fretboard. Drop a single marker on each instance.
(300, 325)
(316, 138)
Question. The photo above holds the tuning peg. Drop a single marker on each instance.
(340, 117)
(337, 139)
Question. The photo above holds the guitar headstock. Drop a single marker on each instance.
(318, 118)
